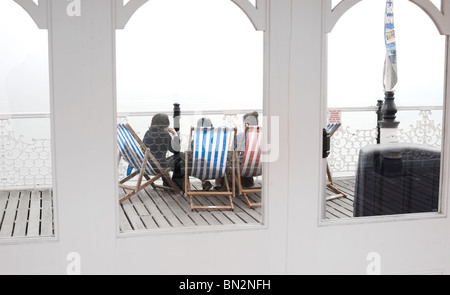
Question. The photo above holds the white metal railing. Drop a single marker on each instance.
(26, 159)
(24, 116)
(417, 125)
(140, 121)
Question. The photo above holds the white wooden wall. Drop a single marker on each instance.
(294, 240)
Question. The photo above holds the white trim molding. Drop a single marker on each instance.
(441, 18)
(37, 11)
(256, 14)
(332, 15)
(125, 10)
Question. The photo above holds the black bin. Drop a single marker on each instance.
(397, 178)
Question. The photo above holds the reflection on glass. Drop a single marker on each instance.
(189, 94)
(26, 195)
(397, 178)
(377, 179)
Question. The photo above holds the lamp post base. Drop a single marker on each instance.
(388, 124)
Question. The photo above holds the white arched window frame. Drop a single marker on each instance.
(441, 18)
(257, 13)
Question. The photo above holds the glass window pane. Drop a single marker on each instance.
(203, 59)
(26, 195)
(380, 179)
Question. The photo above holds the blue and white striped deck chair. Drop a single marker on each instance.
(139, 157)
(211, 147)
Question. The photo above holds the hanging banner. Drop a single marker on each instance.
(390, 65)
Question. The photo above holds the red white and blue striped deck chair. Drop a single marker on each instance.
(139, 157)
(210, 152)
(249, 165)
(331, 129)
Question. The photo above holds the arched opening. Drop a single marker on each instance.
(356, 55)
(207, 57)
(26, 182)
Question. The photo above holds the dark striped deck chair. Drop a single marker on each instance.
(331, 129)
(249, 164)
(139, 157)
(210, 152)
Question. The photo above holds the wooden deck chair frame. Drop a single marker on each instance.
(229, 193)
(243, 190)
(141, 173)
(329, 183)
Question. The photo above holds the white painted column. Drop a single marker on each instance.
(81, 38)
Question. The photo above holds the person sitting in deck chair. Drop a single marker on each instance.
(161, 138)
(249, 119)
(205, 122)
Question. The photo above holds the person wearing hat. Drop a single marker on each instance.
(161, 138)
(251, 119)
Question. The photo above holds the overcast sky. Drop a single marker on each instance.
(24, 74)
(357, 52)
(204, 54)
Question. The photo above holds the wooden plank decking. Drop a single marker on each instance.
(342, 207)
(152, 209)
(26, 213)
(29, 213)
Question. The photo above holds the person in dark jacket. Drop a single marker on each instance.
(160, 138)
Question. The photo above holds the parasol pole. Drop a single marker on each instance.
(176, 117)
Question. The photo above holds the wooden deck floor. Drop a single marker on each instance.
(342, 207)
(29, 213)
(152, 209)
(26, 213)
